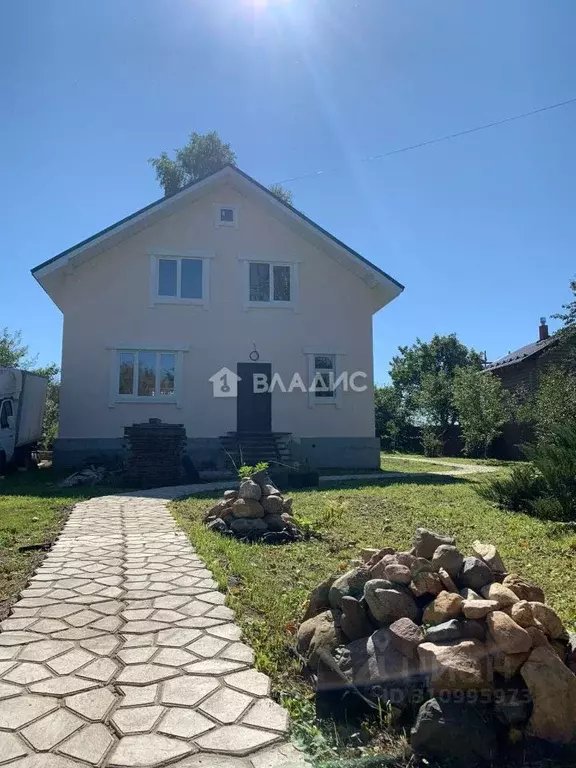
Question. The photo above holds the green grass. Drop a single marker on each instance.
(451, 459)
(268, 586)
(32, 512)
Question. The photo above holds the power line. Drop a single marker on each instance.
(437, 140)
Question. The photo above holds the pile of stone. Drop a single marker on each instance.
(257, 511)
(468, 655)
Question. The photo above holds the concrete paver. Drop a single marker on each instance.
(121, 653)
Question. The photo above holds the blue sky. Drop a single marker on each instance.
(480, 229)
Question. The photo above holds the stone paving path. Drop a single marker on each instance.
(121, 653)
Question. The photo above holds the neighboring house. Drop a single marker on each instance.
(219, 275)
(520, 371)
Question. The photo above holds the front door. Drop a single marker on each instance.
(254, 409)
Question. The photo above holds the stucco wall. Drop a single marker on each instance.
(107, 302)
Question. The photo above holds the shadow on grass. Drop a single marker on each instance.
(394, 478)
(42, 483)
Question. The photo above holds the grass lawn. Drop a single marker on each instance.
(32, 512)
(268, 586)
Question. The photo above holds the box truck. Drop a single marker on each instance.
(22, 401)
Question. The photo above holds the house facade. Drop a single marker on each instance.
(201, 309)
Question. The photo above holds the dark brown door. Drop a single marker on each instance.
(254, 409)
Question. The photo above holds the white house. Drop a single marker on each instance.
(220, 275)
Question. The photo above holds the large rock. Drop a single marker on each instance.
(522, 614)
(406, 636)
(459, 666)
(526, 590)
(272, 505)
(500, 594)
(216, 511)
(378, 569)
(489, 554)
(374, 661)
(387, 604)
(549, 620)
(275, 522)
(506, 634)
(247, 508)
(553, 689)
(354, 621)
(507, 665)
(350, 583)
(230, 495)
(320, 633)
(448, 557)
(250, 490)
(447, 581)
(397, 573)
(318, 600)
(475, 574)
(459, 734)
(445, 632)
(427, 542)
(248, 526)
(446, 606)
(478, 609)
(426, 583)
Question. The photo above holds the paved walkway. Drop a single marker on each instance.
(121, 653)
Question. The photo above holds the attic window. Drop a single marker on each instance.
(226, 216)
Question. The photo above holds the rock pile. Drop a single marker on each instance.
(467, 654)
(257, 511)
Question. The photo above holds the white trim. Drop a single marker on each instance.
(157, 255)
(387, 289)
(217, 216)
(318, 350)
(313, 401)
(294, 302)
(115, 398)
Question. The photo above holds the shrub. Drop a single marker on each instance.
(545, 488)
(515, 492)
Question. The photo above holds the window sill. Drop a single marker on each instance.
(269, 305)
(171, 300)
(155, 400)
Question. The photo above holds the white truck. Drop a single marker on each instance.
(22, 402)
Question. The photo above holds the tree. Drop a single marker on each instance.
(483, 408)
(391, 422)
(282, 193)
(14, 354)
(568, 317)
(202, 155)
(423, 375)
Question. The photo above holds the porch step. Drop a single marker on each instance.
(254, 447)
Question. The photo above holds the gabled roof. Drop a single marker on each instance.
(519, 355)
(112, 235)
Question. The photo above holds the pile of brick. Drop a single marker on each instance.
(155, 453)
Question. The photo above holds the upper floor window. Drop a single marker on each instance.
(146, 374)
(5, 414)
(270, 283)
(226, 216)
(180, 279)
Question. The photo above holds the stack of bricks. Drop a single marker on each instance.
(155, 453)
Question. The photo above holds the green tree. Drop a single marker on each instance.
(483, 408)
(423, 375)
(391, 421)
(14, 354)
(202, 155)
(568, 317)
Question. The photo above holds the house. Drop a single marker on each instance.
(519, 371)
(218, 308)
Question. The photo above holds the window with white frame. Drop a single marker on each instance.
(146, 374)
(180, 279)
(324, 376)
(270, 283)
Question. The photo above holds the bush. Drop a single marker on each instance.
(516, 492)
(546, 488)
